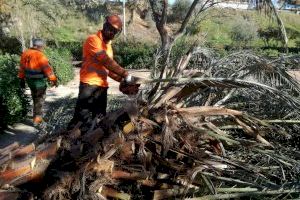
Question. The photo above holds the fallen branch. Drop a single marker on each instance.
(110, 192)
(246, 194)
(230, 179)
(279, 121)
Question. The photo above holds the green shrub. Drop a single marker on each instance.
(64, 34)
(179, 10)
(180, 48)
(219, 48)
(194, 29)
(2, 113)
(270, 34)
(297, 43)
(13, 102)
(292, 32)
(60, 60)
(269, 52)
(9, 45)
(243, 32)
(74, 47)
(134, 55)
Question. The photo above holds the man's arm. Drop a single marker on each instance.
(48, 71)
(94, 47)
(111, 64)
(115, 76)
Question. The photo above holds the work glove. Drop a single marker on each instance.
(129, 80)
(129, 89)
(22, 83)
(53, 83)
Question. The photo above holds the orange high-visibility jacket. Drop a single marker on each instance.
(34, 64)
(92, 71)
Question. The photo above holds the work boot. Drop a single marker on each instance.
(37, 120)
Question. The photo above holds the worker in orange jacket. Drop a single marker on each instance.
(98, 64)
(35, 68)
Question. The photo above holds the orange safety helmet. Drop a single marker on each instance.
(115, 21)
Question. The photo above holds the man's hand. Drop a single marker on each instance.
(22, 83)
(130, 80)
(53, 83)
(129, 89)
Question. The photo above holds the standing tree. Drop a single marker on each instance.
(32, 18)
(271, 10)
(160, 14)
(4, 16)
(197, 7)
(179, 9)
(137, 6)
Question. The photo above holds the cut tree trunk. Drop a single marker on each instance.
(32, 167)
(9, 148)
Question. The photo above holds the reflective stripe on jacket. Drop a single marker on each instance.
(34, 64)
(92, 72)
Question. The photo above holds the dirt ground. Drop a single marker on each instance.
(25, 132)
(295, 74)
(71, 89)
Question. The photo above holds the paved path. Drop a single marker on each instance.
(25, 132)
(295, 74)
(71, 89)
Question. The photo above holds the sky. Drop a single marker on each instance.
(171, 1)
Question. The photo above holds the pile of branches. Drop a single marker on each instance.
(184, 142)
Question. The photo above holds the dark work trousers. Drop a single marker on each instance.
(38, 96)
(92, 101)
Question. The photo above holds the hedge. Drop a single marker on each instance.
(60, 60)
(130, 54)
(134, 55)
(14, 103)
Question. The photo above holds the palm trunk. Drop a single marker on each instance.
(281, 26)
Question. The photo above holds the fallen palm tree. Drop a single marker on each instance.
(184, 142)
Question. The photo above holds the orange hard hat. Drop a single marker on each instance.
(115, 21)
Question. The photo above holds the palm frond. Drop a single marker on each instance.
(246, 65)
(268, 7)
(219, 83)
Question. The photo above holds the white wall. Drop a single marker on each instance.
(234, 5)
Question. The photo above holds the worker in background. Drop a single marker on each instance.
(35, 70)
(98, 64)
